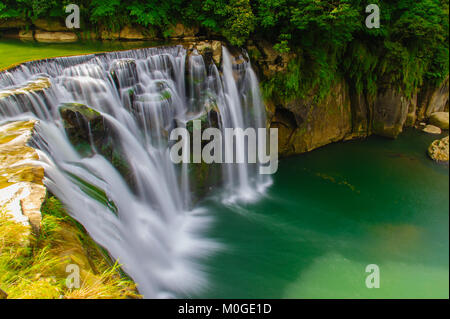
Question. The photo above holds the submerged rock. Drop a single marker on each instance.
(438, 150)
(439, 119)
(432, 129)
(21, 187)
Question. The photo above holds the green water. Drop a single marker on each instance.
(332, 212)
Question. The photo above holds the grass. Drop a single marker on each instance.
(34, 265)
(30, 50)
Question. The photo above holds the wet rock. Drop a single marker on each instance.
(89, 133)
(33, 86)
(46, 36)
(431, 129)
(21, 188)
(124, 73)
(82, 123)
(438, 150)
(439, 119)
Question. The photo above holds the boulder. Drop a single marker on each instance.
(438, 150)
(439, 119)
(431, 129)
(46, 36)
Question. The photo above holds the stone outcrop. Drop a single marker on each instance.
(47, 36)
(432, 100)
(268, 59)
(179, 30)
(210, 50)
(438, 150)
(305, 124)
(440, 119)
(389, 113)
(21, 188)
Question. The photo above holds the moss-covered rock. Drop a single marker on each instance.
(89, 133)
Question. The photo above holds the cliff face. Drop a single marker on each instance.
(308, 123)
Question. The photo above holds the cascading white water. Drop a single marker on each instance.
(154, 228)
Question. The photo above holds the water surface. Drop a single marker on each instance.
(329, 214)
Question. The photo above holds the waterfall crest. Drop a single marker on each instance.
(152, 222)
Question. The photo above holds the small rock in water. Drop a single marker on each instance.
(432, 129)
(440, 119)
(438, 150)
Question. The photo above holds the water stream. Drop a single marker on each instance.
(153, 226)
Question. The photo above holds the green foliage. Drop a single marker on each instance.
(328, 37)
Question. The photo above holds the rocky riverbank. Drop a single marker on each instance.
(39, 239)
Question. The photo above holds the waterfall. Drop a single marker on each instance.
(151, 220)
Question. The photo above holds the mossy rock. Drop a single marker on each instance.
(87, 130)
